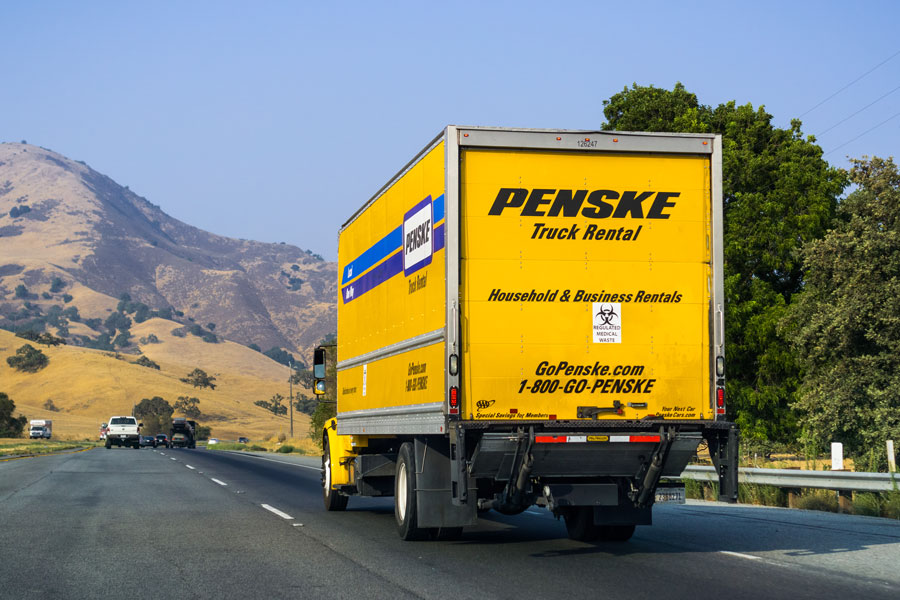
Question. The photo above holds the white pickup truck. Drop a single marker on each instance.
(123, 431)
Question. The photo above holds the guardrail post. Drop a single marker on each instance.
(845, 501)
(793, 495)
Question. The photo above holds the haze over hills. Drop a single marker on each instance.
(73, 241)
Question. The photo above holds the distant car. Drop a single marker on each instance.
(162, 440)
(243, 440)
(212, 442)
(148, 440)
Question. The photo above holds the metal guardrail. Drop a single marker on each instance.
(794, 478)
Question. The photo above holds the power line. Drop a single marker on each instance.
(895, 115)
(851, 83)
(859, 111)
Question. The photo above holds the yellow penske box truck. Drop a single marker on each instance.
(532, 317)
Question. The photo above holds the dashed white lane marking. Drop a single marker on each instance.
(190, 467)
(172, 458)
(274, 510)
(217, 481)
(738, 554)
(280, 462)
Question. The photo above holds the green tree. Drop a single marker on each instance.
(188, 406)
(778, 193)
(199, 378)
(146, 362)
(845, 324)
(306, 404)
(156, 415)
(49, 339)
(28, 359)
(10, 426)
(279, 355)
(278, 408)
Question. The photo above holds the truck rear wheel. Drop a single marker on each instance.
(405, 496)
(616, 533)
(332, 499)
(580, 524)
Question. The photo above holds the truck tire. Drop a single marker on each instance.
(108, 444)
(332, 499)
(405, 496)
(580, 524)
(616, 533)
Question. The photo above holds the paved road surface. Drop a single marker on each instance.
(211, 524)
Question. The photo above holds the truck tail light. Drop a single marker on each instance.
(720, 401)
(454, 400)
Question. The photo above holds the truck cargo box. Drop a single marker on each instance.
(532, 317)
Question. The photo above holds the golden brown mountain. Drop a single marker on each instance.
(74, 244)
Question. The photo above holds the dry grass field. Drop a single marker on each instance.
(88, 386)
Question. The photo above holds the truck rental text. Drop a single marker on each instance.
(531, 317)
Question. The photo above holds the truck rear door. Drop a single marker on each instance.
(585, 280)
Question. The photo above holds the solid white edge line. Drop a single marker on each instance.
(280, 462)
(274, 510)
(738, 554)
(217, 481)
(189, 467)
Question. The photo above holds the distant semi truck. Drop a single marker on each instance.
(532, 317)
(183, 433)
(41, 428)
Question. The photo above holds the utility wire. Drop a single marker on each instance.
(849, 84)
(859, 111)
(895, 115)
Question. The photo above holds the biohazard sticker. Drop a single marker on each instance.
(607, 322)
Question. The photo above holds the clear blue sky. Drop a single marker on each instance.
(275, 121)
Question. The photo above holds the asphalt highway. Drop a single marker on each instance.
(163, 524)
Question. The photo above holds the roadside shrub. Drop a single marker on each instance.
(765, 495)
(877, 505)
(824, 500)
(255, 448)
(282, 437)
(286, 449)
(891, 508)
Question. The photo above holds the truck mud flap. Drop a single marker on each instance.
(434, 504)
(723, 450)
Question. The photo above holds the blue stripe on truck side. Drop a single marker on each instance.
(384, 247)
(392, 266)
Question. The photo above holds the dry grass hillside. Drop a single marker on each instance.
(88, 386)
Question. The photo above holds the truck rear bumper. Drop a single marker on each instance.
(577, 454)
